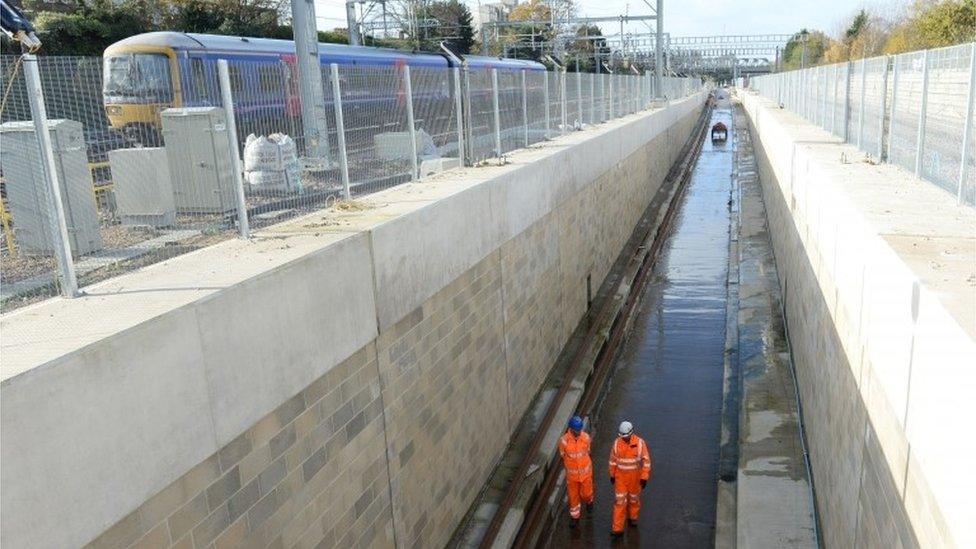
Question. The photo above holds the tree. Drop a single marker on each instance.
(933, 24)
(89, 29)
(526, 41)
(451, 22)
(584, 48)
(89, 26)
(805, 48)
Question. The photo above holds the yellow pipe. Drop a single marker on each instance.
(8, 233)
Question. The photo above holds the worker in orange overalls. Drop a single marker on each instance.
(574, 448)
(630, 469)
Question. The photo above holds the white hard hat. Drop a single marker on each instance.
(625, 428)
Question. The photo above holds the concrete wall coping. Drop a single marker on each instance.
(37, 334)
(925, 226)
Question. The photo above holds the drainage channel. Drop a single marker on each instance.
(668, 376)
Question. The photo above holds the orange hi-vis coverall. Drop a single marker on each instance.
(630, 463)
(575, 451)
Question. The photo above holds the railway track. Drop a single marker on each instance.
(618, 317)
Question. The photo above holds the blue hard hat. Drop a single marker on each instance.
(576, 423)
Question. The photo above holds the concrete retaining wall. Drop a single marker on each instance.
(345, 379)
(877, 272)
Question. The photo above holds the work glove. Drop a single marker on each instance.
(612, 481)
(643, 483)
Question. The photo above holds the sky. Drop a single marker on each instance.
(696, 17)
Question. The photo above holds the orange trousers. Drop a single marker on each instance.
(626, 503)
(579, 491)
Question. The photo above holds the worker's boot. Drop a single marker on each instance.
(573, 522)
(589, 507)
(632, 523)
(616, 535)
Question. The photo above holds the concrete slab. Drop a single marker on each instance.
(774, 498)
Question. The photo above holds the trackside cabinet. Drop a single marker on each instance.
(200, 167)
(21, 163)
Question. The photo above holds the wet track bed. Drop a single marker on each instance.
(668, 377)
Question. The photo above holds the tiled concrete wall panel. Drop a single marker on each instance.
(849, 303)
(312, 473)
(545, 268)
(443, 373)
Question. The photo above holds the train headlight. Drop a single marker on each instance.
(113, 110)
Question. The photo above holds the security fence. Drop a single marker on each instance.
(148, 165)
(914, 110)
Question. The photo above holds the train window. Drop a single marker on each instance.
(269, 78)
(236, 80)
(143, 77)
(199, 77)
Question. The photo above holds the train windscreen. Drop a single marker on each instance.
(137, 78)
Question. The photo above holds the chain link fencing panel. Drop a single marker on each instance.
(877, 105)
(945, 118)
(128, 201)
(481, 122)
(903, 137)
(29, 266)
(146, 157)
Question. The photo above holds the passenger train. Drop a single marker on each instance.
(147, 73)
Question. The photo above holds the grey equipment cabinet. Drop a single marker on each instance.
(27, 192)
(143, 189)
(200, 167)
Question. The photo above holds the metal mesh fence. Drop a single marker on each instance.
(28, 254)
(481, 115)
(150, 165)
(536, 91)
(903, 137)
(945, 118)
(126, 203)
(914, 110)
(512, 123)
(871, 110)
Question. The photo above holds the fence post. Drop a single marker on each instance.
(847, 102)
(881, 110)
(498, 119)
(227, 98)
(592, 80)
(610, 92)
(860, 104)
(57, 225)
(562, 99)
(833, 102)
(545, 98)
(579, 96)
(525, 109)
(894, 102)
(968, 126)
(415, 169)
(603, 97)
(920, 142)
(459, 116)
(826, 89)
(340, 131)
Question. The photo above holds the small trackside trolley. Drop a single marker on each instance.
(719, 133)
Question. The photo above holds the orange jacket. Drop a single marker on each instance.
(633, 456)
(575, 452)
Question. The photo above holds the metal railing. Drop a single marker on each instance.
(913, 110)
(147, 170)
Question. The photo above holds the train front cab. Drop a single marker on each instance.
(139, 82)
